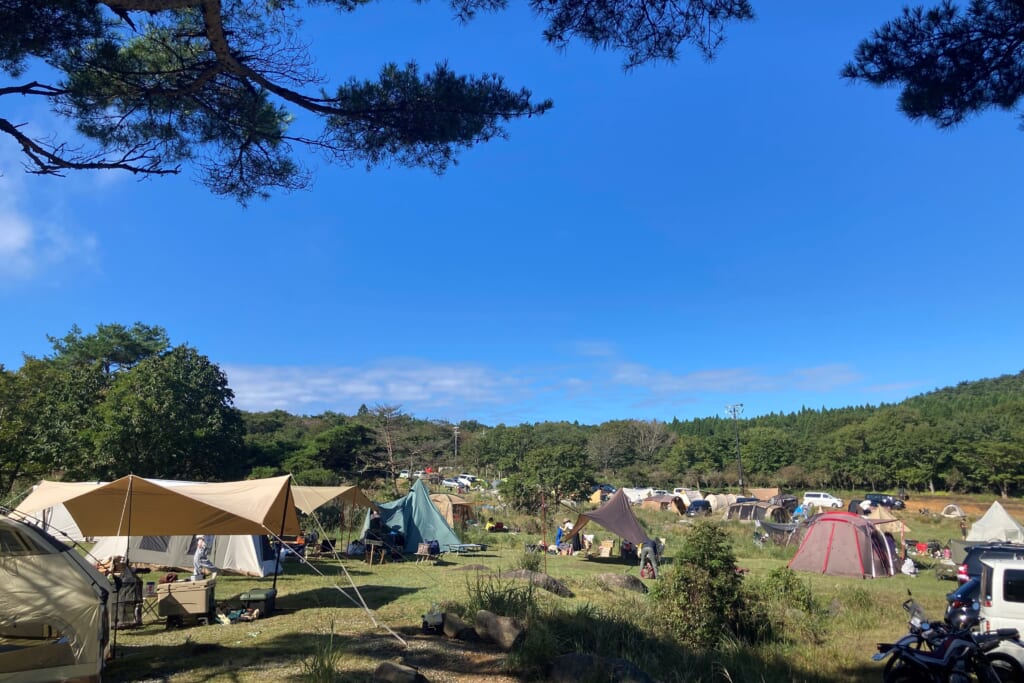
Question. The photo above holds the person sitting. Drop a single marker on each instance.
(490, 524)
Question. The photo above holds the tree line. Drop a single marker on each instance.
(124, 400)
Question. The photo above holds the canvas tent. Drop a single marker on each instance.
(136, 506)
(636, 495)
(249, 555)
(764, 493)
(843, 544)
(757, 510)
(886, 521)
(456, 510)
(720, 502)
(416, 518)
(996, 525)
(617, 517)
(53, 609)
(667, 501)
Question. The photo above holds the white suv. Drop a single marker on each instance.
(821, 500)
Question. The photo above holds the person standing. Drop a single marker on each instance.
(963, 528)
(201, 560)
(649, 556)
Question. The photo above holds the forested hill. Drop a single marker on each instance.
(123, 400)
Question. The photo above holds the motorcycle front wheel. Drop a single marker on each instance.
(897, 670)
(1005, 668)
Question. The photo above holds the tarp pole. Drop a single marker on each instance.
(280, 541)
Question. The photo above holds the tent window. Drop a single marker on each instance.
(12, 543)
(157, 543)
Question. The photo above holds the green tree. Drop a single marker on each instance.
(170, 417)
(950, 63)
(114, 347)
(559, 472)
(154, 84)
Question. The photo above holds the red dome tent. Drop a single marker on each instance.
(844, 544)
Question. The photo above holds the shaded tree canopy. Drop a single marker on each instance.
(949, 62)
(218, 84)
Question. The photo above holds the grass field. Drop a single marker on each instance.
(834, 643)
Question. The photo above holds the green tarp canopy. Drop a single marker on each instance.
(415, 516)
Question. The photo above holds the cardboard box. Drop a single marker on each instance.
(186, 598)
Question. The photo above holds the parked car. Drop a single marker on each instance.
(962, 604)
(822, 500)
(970, 568)
(419, 474)
(885, 500)
(451, 484)
(659, 492)
(404, 474)
(699, 508)
(466, 480)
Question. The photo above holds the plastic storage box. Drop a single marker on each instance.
(262, 599)
(186, 599)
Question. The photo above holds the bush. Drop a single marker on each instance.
(699, 600)
(528, 561)
(510, 598)
(322, 665)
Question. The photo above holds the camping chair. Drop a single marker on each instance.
(604, 549)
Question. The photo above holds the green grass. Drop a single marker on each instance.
(318, 628)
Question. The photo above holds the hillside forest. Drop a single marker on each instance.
(124, 400)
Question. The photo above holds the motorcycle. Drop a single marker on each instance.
(940, 653)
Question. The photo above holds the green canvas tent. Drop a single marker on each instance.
(416, 518)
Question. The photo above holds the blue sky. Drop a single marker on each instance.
(662, 243)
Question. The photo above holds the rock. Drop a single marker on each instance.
(389, 672)
(457, 629)
(540, 580)
(575, 667)
(504, 631)
(471, 567)
(624, 581)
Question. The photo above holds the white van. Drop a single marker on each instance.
(821, 499)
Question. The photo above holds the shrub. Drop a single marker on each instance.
(699, 599)
(528, 561)
(510, 598)
(322, 665)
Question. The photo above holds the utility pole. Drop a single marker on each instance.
(734, 410)
(456, 429)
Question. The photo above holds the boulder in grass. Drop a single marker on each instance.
(457, 629)
(540, 580)
(389, 672)
(575, 666)
(623, 581)
(471, 567)
(505, 632)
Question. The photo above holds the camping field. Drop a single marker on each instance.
(319, 627)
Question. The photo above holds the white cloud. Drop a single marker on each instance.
(416, 385)
(449, 390)
(734, 380)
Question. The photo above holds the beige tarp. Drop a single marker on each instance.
(140, 507)
(887, 521)
(764, 493)
(309, 498)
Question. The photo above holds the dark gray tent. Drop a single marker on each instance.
(617, 517)
(415, 516)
